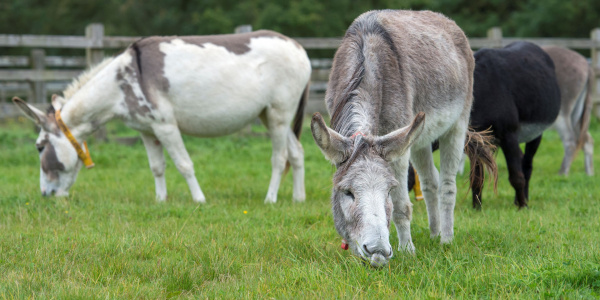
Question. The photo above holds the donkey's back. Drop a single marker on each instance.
(515, 88)
(215, 85)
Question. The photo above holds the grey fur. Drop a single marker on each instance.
(575, 78)
(49, 161)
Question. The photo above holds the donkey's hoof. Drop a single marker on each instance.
(408, 248)
(446, 239)
(201, 200)
(299, 199)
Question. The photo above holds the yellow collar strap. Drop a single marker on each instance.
(84, 156)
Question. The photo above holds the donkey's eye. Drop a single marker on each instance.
(40, 148)
(349, 194)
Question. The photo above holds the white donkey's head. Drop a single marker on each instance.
(58, 158)
(362, 184)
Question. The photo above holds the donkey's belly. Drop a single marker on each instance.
(216, 117)
(529, 131)
(438, 122)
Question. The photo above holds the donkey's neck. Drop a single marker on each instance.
(366, 75)
(94, 103)
(359, 116)
(362, 112)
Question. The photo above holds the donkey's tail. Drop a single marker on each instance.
(480, 149)
(584, 121)
(297, 124)
(297, 127)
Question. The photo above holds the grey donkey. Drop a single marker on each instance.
(399, 81)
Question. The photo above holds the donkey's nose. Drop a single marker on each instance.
(48, 193)
(385, 250)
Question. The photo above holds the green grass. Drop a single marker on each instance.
(110, 239)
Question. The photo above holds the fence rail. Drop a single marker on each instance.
(33, 77)
(116, 42)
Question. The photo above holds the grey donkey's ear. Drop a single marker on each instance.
(395, 144)
(32, 113)
(333, 145)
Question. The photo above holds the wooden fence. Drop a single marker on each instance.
(36, 76)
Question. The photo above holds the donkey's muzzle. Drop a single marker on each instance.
(48, 193)
(379, 254)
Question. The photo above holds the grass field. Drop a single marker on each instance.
(110, 239)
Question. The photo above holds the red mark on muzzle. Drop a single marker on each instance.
(344, 245)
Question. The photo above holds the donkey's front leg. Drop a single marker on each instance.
(156, 158)
(402, 213)
(170, 137)
(568, 137)
(422, 160)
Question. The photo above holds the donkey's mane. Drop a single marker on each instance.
(82, 79)
(344, 109)
(342, 112)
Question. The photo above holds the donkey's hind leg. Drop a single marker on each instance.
(514, 156)
(278, 131)
(527, 163)
(170, 137)
(588, 150)
(296, 159)
(451, 151)
(156, 158)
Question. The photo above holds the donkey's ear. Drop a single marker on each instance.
(333, 145)
(395, 144)
(56, 102)
(31, 112)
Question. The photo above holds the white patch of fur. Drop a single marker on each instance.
(82, 79)
(218, 92)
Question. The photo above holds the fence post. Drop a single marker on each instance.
(494, 34)
(94, 53)
(595, 52)
(243, 29)
(38, 62)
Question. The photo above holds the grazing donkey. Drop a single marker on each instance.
(517, 97)
(575, 78)
(163, 86)
(399, 81)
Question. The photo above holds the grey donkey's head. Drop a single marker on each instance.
(361, 202)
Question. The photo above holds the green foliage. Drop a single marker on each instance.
(307, 18)
(110, 239)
